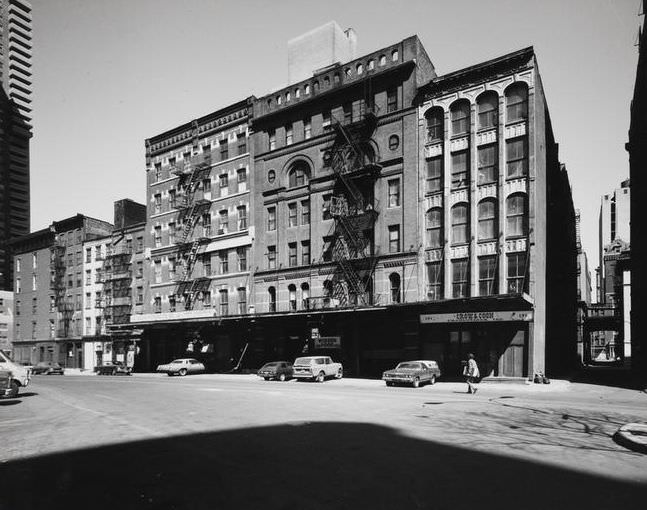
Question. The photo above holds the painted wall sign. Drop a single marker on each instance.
(328, 342)
(459, 317)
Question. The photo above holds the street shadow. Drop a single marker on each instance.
(302, 465)
(28, 394)
(614, 376)
(11, 402)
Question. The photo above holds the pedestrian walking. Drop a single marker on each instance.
(471, 372)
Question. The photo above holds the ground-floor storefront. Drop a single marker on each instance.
(498, 331)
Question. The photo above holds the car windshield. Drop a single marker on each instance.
(43, 364)
(408, 365)
(303, 361)
(272, 365)
(177, 362)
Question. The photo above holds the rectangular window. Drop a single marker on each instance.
(206, 299)
(241, 177)
(327, 248)
(242, 300)
(292, 214)
(139, 296)
(487, 276)
(460, 278)
(157, 266)
(305, 212)
(307, 129)
(158, 169)
(88, 277)
(88, 299)
(158, 203)
(435, 281)
(292, 254)
(171, 303)
(52, 304)
(242, 143)
(206, 224)
(517, 157)
(223, 183)
(288, 135)
(326, 207)
(271, 219)
(88, 254)
(34, 281)
(460, 169)
(391, 100)
(172, 198)
(98, 276)
(487, 164)
(325, 115)
(206, 264)
(18, 286)
(434, 174)
(348, 113)
(272, 140)
(140, 244)
(158, 236)
(79, 258)
(271, 257)
(79, 280)
(394, 193)
(223, 260)
(206, 185)
(241, 255)
(223, 222)
(17, 265)
(516, 273)
(224, 302)
(394, 238)
(460, 226)
(224, 149)
(305, 253)
(157, 303)
(34, 306)
(242, 217)
(139, 272)
(171, 268)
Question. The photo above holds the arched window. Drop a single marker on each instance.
(460, 112)
(394, 279)
(315, 85)
(382, 60)
(434, 227)
(326, 81)
(487, 219)
(298, 175)
(435, 120)
(371, 65)
(460, 225)
(516, 215)
(271, 291)
(336, 78)
(292, 292)
(394, 55)
(306, 89)
(305, 296)
(488, 110)
(359, 69)
(516, 102)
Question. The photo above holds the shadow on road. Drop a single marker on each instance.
(304, 465)
(11, 402)
(28, 394)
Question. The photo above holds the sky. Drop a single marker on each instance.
(110, 73)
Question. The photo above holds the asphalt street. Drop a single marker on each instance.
(236, 441)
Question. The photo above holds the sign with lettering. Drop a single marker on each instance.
(328, 342)
(459, 317)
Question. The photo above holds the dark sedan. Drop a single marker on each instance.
(280, 370)
(48, 368)
(113, 368)
(414, 373)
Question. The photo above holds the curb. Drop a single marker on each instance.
(632, 436)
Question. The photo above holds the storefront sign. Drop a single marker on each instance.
(429, 318)
(328, 342)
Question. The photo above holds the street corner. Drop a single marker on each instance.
(632, 436)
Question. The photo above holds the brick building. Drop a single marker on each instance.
(49, 290)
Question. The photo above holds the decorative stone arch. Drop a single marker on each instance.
(294, 163)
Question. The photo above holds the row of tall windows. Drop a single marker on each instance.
(516, 154)
(487, 112)
(488, 276)
(516, 221)
(295, 302)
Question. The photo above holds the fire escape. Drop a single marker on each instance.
(190, 207)
(62, 305)
(117, 283)
(353, 207)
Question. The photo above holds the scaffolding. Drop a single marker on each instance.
(353, 207)
(190, 173)
(62, 304)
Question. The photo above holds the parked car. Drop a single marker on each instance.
(8, 385)
(113, 368)
(280, 370)
(182, 366)
(414, 373)
(48, 368)
(317, 368)
(20, 374)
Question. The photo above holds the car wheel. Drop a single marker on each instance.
(389, 383)
(182, 372)
(266, 378)
(340, 373)
(169, 374)
(281, 377)
(320, 377)
(432, 380)
(15, 387)
(114, 372)
(416, 382)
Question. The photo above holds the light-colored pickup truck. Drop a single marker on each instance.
(316, 368)
(20, 374)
